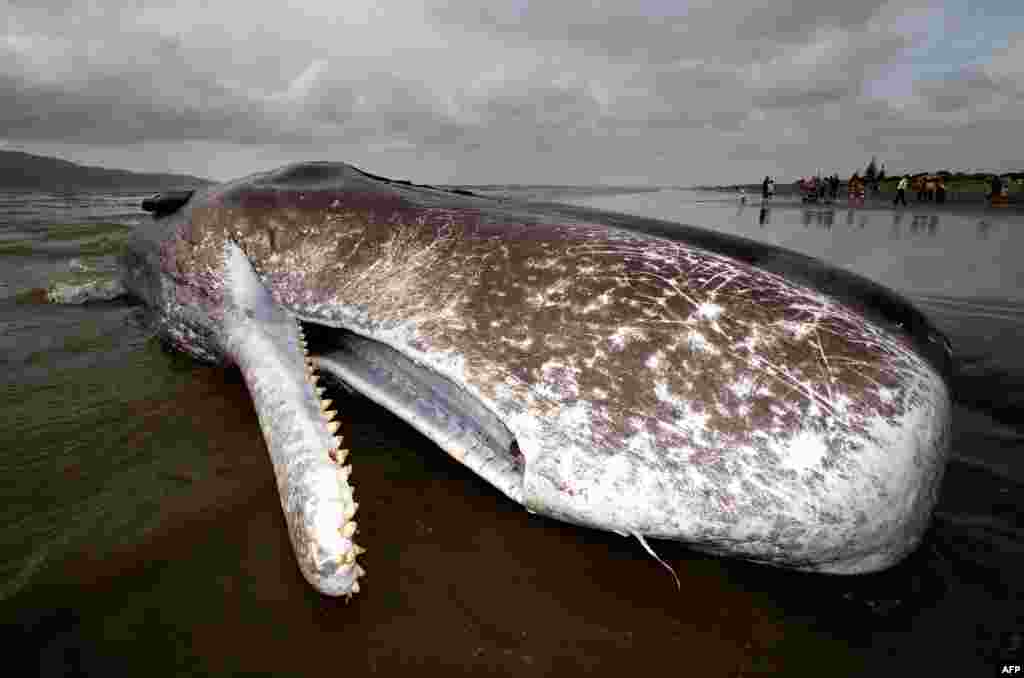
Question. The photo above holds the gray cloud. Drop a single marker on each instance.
(571, 91)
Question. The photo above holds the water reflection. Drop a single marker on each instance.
(821, 218)
(919, 249)
(920, 224)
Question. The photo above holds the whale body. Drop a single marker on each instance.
(618, 373)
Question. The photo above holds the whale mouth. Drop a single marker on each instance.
(449, 415)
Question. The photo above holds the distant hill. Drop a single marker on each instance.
(24, 171)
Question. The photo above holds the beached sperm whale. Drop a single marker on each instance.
(631, 375)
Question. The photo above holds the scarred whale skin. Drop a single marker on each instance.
(658, 380)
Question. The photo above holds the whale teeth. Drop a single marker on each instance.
(329, 414)
(350, 556)
(324, 404)
(348, 530)
(333, 426)
(357, 549)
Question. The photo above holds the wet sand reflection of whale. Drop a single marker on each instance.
(630, 375)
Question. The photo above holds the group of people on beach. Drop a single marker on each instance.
(817, 188)
(928, 187)
(932, 188)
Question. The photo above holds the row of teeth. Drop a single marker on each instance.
(338, 455)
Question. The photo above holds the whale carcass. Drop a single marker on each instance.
(646, 378)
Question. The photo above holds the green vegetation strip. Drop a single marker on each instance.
(78, 231)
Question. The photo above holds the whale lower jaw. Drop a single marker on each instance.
(268, 346)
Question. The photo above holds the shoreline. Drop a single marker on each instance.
(1015, 197)
(970, 207)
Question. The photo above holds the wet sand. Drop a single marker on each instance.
(459, 578)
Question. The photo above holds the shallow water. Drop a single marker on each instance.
(141, 529)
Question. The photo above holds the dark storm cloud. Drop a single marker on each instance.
(114, 109)
(577, 89)
(660, 32)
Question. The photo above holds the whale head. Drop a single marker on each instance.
(635, 376)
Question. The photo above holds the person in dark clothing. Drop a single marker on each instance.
(997, 186)
(764, 189)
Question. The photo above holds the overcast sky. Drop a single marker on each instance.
(558, 91)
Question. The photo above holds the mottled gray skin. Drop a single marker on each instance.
(613, 372)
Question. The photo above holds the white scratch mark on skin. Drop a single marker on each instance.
(709, 310)
(522, 344)
(624, 334)
(699, 343)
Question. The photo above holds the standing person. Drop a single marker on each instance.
(1000, 197)
(997, 186)
(901, 191)
(764, 188)
(855, 188)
